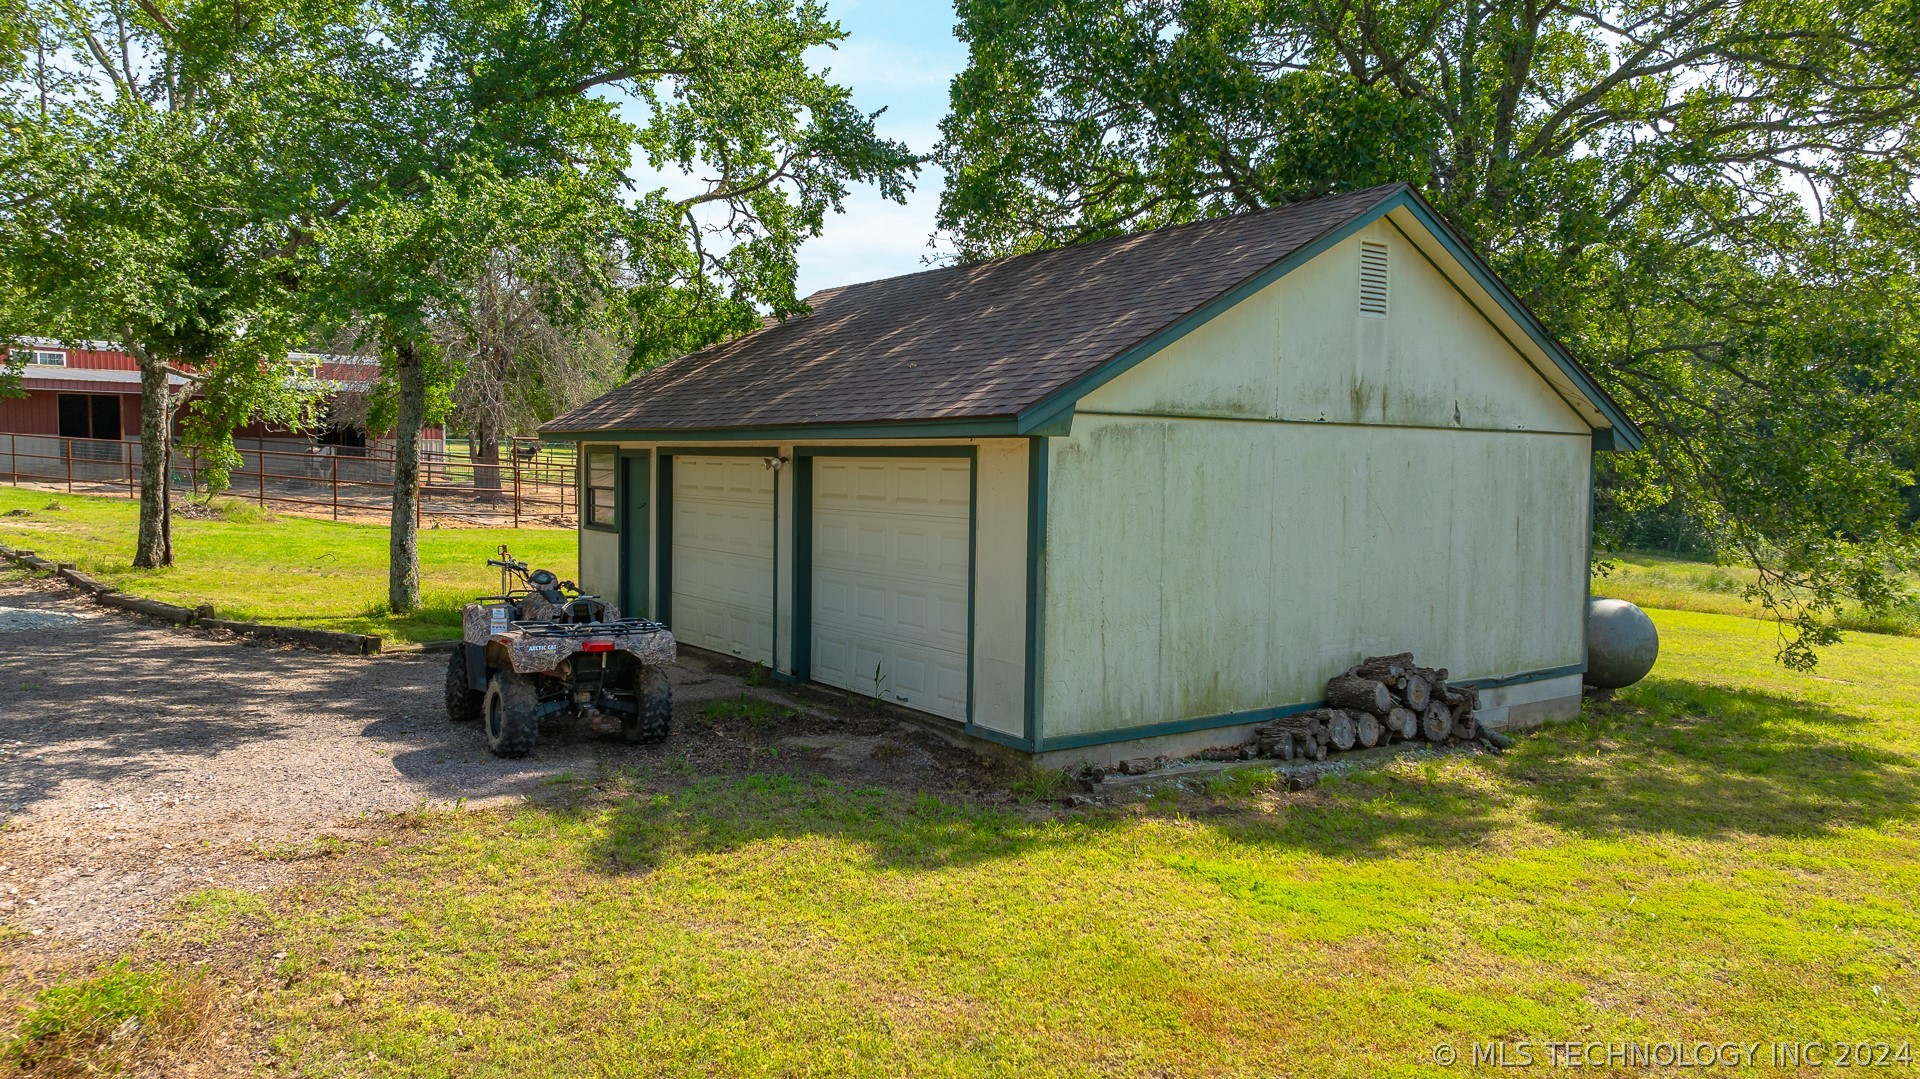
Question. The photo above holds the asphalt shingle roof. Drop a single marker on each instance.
(978, 341)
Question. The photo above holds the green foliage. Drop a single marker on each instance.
(153, 180)
(1712, 203)
(1242, 782)
(759, 716)
(1680, 585)
(285, 570)
(97, 1024)
(1033, 785)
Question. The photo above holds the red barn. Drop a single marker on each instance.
(83, 403)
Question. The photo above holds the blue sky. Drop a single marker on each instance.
(900, 56)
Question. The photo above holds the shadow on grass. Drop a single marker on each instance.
(894, 828)
(1673, 758)
(1698, 760)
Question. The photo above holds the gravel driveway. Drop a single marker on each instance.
(138, 761)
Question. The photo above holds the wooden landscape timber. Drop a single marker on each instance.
(353, 644)
(1380, 701)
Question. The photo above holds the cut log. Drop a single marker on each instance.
(1391, 670)
(1340, 730)
(1363, 694)
(1311, 723)
(1461, 701)
(147, 607)
(1367, 730)
(1464, 726)
(1417, 692)
(1405, 723)
(1436, 723)
(1316, 749)
(1277, 744)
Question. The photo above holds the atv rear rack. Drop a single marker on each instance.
(587, 629)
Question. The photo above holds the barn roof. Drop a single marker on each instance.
(1004, 347)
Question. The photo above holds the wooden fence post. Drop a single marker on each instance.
(336, 485)
(69, 444)
(260, 465)
(514, 452)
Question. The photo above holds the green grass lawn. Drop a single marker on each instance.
(293, 571)
(1729, 851)
(1682, 585)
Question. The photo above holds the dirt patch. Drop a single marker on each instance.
(139, 762)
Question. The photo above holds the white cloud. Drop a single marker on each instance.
(873, 239)
(868, 64)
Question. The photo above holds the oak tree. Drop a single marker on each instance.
(1714, 203)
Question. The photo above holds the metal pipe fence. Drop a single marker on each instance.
(530, 485)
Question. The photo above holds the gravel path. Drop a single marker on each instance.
(138, 761)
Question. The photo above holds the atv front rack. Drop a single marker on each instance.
(571, 630)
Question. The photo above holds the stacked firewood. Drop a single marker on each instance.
(1383, 700)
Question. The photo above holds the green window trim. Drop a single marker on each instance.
(599, 488)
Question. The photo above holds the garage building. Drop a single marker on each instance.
(1128, 496)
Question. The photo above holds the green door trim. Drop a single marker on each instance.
(663, 505)
(801, 617)
(635, 468)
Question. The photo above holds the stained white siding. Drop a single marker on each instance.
(1295, 485)
(1301, 350)
(1000, 590)
(599, 562)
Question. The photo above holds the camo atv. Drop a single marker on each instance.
(544, 650)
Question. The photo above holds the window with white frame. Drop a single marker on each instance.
(47, 357)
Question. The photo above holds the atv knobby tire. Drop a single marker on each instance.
(512, 714)
(655, 721)
(464, 703)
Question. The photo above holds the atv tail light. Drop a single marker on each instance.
(597, 645)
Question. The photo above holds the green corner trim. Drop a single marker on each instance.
(1526, 676)
(1037, 452)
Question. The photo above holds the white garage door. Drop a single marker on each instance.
(723, 555)
(890, 579)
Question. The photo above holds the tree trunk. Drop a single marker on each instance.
(155, 544)
(485, 453)
(403, 544)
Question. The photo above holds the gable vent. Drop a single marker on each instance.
(1373, 279)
